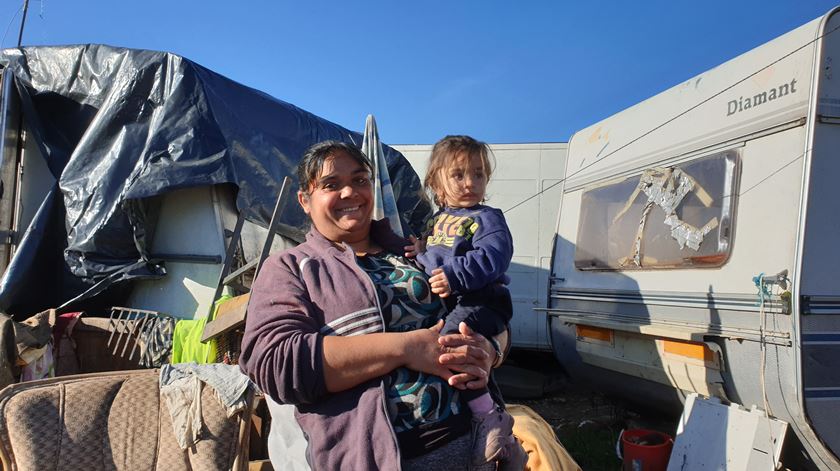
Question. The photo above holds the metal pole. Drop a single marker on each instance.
(275, 221)
(23, 21)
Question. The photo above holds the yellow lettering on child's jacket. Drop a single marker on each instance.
(447, 227)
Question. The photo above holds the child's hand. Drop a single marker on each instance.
(417, 247)
(439, 283)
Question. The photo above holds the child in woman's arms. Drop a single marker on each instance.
(466, 255)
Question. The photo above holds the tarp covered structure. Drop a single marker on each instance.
(118, 126)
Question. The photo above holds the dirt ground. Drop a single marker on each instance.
(586, 422)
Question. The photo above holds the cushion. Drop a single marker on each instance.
(112, 421)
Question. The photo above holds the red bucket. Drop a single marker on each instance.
(646, 450)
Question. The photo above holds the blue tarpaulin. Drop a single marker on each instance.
(118, 126)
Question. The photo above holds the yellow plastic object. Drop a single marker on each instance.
(186, 340)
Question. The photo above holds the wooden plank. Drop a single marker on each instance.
(260, 419)
(231, 315)
(260, 465)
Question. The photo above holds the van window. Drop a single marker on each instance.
(667, 217)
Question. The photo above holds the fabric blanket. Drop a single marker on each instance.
(545, 453)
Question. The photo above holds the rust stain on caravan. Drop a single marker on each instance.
(599, 135)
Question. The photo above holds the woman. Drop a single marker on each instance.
(345, 328)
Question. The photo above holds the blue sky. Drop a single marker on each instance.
(527, 71)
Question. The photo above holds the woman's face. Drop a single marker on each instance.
(340, 200)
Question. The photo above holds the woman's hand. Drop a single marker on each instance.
(423, 352)
(349, 361)
(470, 355)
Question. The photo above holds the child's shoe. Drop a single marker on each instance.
(493, 433)
(515, 458)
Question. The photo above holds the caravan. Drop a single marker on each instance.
(696, 247)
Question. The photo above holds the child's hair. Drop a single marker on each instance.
(443, 157)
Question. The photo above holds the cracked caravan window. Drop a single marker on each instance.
(667, 217)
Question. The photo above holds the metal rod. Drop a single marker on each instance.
(139, 336)
(23, 21)
(275, 221)
(112, 323)
(239, 271)
(188, 258)
(134, 323)
(120, 324)
(234, 240)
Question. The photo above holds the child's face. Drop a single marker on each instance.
(463, 181)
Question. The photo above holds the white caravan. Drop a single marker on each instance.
(522, 171)
(697, 241)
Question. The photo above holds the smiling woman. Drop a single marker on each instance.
(346, 328)
(337, 194)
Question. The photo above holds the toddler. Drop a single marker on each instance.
(466, 253)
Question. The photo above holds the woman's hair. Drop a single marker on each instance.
(443, 157)
(309, 168)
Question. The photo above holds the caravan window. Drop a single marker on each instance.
(667, 217)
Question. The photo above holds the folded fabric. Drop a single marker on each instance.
(66, 361)
(545, 453)
(39, 363)
(180, 387)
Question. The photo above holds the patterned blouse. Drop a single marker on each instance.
(424, 409)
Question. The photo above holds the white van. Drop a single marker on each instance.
(697, 245)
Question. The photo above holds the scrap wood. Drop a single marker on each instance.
(229, 316)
